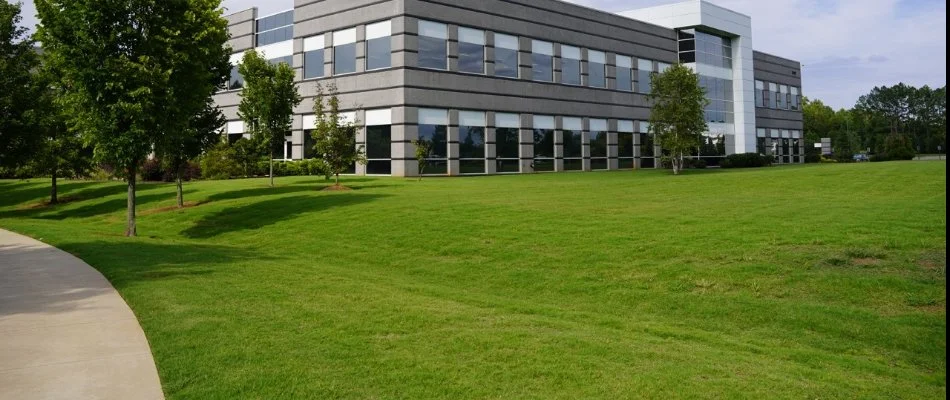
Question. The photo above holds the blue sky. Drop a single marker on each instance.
(846, 46)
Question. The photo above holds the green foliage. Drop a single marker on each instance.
(267, 102)
(246, 155)
(18, 92)
(746, 160)
(897, 147)
(334, 138)
(219, 162)
(423, 152)
(155, 170)
(677, 119)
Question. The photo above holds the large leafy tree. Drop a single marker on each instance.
(199, 66)
(121, 59)
(334, 138)
(267, 102)
(677, 120)
(18, 94)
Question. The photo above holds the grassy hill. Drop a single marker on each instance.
(791, 282)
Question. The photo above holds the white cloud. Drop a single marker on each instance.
(846, 46)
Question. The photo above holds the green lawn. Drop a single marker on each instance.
(823, 281)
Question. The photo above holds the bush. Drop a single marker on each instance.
(688, 163)
(152, 170)
(812, 158)
(879, 158)
(826, 160)
(219, 163)
(746, 160)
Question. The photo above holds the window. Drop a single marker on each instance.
(543, 143)
(379, 142)
(471, 51)
(507, 143)
(773, 94)
(275, 28)
(433, 127)
(596, 69)
(235, 81)
(235, 131)
(309, 124)
(720, 95)
(471, 142)
(644, 75)
(759, 88)
(289, 150)
(624, 73)
(625, 144)
(794, 98)
(379, 45)
(573, 144)
(570, 65)
(705, 48)
(761, 145)
(782, 99)
(647, 148)
(433, 45)
(344, 51)
(506, 56)
(542, 61)
(598, 144)
(786, 143)
(313, 57)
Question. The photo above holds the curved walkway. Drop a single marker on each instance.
(65, 333)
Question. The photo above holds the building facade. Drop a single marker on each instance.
(519, 86)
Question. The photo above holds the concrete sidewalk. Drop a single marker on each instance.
(65, 333)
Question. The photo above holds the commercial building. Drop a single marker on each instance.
(519, 86)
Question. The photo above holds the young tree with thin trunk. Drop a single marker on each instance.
(423, 152)
(267, 102)
(199, 68)
(60, 152)
(18, 95)
(178, 148)
(334, 138)
(677, 120)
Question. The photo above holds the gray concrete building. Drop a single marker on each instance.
(519, 86)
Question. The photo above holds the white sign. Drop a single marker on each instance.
(817, 145)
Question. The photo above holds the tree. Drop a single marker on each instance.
(267, 102)
(121, 59)
(334, 138)
(18, 59)
(678, 120)
(61, 151)
(180, 146)
(423, 152)
(246, 154)
(199, 68)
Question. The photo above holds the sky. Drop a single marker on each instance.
(846, 47)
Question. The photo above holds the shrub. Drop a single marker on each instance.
(152, 170)
(746, 160)
(879, 158)
(688, 163)
(219, 163)
(812, 158)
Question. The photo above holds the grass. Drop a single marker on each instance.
(791, 282)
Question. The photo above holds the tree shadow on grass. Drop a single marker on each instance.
(268, 212)
(14, 193)
(110, 206)
(47, 289)
(257, 192)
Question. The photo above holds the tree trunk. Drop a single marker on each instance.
(272, 169)
(337, 179)
(53, 198)
(130, 230)
(181, 195)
